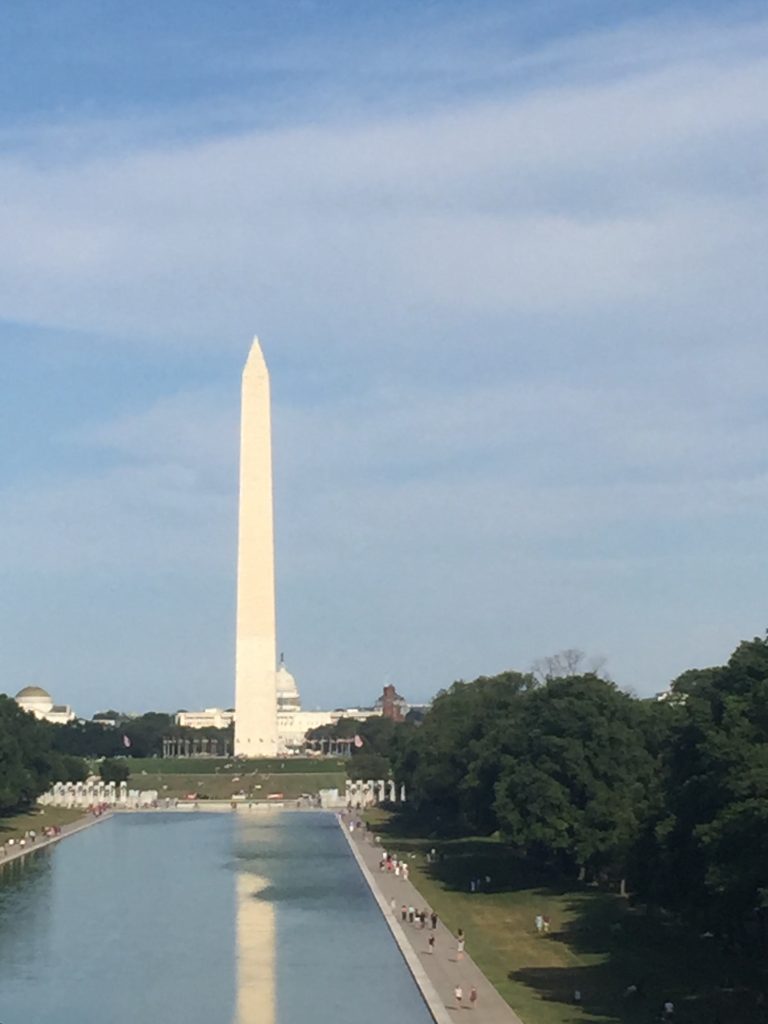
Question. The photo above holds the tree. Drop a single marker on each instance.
(578, 774)
(146, 733)
(111, 714)
(567, 663)
(451, 762)
(368, 766)
(343, 729)
(28, 765)
(67, 768)
(114, 770)
(715, 816)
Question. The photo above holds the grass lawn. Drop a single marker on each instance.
(15, 826)
(223, 786)
(598, 943)
(215, 765)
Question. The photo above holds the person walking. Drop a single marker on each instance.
(472, 997)
(433, 920)
(460, 949)
(431, 944)
(458, 995)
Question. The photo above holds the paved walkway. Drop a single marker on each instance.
(16, 852)
(442, 968)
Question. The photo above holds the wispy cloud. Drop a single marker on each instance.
(516, 340)
(635, 190)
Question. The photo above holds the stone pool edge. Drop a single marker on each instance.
(428, 991)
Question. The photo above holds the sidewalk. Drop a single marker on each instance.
(442, 968)
(16, 852)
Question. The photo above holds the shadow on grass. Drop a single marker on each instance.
(459, 862)
(625, 962)
(644, 961)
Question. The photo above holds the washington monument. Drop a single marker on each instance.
(255, 660)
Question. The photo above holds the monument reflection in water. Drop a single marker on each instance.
(255, 953)
(207, 918)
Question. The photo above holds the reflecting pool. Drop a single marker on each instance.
(205, 918)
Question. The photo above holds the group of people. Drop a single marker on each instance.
(392, 864)
(458, 995)
(10, 845)
(410, 915)
(29, 838)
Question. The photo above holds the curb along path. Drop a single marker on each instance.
(437, 974)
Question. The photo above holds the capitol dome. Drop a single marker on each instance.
(35, 699)
(288, 698)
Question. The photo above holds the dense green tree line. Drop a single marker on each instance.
(670, 797)
(382, 742)
(144, 735)
(29, 764)
(34, 754)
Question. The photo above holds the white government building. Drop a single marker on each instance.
(292, 722)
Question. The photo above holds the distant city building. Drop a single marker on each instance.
(360, 714)
(39, 703)
(293, 726)
(392, 705)
(210, 718)
(671, 696)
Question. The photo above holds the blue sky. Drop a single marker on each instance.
(507, 262)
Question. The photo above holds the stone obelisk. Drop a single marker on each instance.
(255, 689)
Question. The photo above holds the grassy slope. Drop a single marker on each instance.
(223, 785)
(216, 765)
(219, 779)
(598, 943)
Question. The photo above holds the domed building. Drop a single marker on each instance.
(288, 698)
(38, 702)
(292, 722)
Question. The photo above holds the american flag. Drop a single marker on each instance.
(126, 741)
(358, 741)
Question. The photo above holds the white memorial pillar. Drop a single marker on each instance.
(255, 669)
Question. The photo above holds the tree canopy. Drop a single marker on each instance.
(585, 778)
(28, 763)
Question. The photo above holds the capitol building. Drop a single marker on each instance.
(293, 723)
